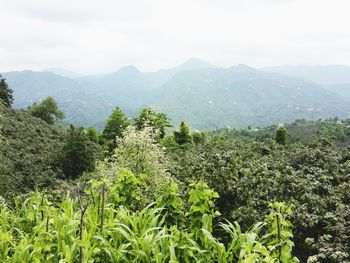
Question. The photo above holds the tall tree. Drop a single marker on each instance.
(115, 126)
(47, 110)
(5, 93)
(183, 135)
(4, 179)
(150, 117)
(281, 134)
(78, 154)
(139, 152)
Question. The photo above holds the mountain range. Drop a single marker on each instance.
(204, 95)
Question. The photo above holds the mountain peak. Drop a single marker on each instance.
(129, 70)
(195, 63)
(242, 68)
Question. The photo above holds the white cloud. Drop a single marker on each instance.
(100, 36)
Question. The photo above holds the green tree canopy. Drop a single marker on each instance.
(5, 93)
(151, 118)
(183, 135)
(115, 126)
(78, 153)
(47, 110)
(281, 134)
(92, 134)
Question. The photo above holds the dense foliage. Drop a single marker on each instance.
(37, 155)
(160, 197)
(99, 226)
(248, 175)
(29, 150)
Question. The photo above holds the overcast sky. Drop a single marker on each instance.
(96, 36)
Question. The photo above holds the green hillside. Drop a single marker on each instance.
(30, 152)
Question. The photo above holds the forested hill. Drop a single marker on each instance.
(30, 150)
(205, 95)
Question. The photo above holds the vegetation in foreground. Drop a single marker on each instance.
(95, 226)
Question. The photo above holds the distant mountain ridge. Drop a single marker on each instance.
(242, 96)
(64, 73)
(205, 95)
(320, 74)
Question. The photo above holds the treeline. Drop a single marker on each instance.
(300, 131)
(297, 165)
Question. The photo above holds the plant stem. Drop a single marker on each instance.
(103, 205)
(279, 235)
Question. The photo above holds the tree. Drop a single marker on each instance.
(47, 110)
(183, 136)
(151, 118)
(78, 153)
(5, 93)
(281, 134)
(139, 152)
(3, 178)
(115, 126)
(92, 134)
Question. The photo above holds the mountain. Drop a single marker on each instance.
(30, 86)
(193, 64)
(64, 72)
(241, 96)
(323, 75)
(335, 78)
(88, 100)
(196, 91)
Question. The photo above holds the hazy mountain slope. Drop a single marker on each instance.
(78, 104)
(31, 86)
(242, 96)
(340, 89)
(63, 72)
(196, 91)
(88, 100)
(127, 87)
(324, 75)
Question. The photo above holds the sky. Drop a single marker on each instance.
(93, 37)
